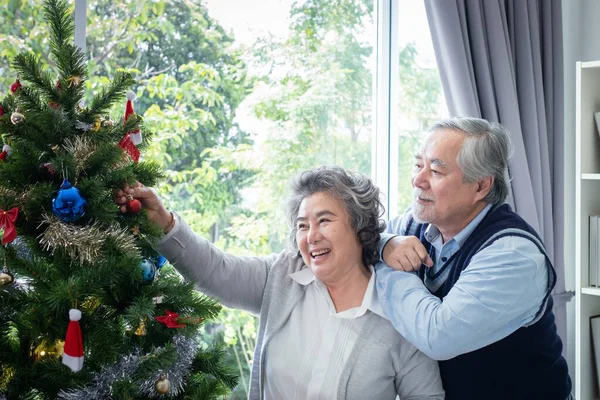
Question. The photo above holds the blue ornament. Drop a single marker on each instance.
(148, 269)
(69, 204)
(159, 261)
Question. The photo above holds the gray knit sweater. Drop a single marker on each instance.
(382, 364)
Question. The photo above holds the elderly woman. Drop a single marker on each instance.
(322, 332)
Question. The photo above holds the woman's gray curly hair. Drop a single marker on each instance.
(359, 196)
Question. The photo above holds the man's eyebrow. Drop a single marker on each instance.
(434, 161)
(438, 162)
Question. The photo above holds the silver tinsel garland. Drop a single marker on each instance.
(186, 349)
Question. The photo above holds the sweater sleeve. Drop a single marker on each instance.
(419, 376)
(238, 282)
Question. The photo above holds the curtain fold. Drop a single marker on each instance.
(502, 60)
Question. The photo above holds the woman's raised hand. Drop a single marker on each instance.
(149, 201)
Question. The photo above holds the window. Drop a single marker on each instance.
(420, 99)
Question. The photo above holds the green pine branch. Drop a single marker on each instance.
(30, 69)
(102, 102)
(211, 362)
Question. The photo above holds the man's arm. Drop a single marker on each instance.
(500, 291)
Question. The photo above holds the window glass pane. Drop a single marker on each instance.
(421, 100)
(241, 95)
(22, 29)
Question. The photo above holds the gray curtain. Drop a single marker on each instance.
(502, 60)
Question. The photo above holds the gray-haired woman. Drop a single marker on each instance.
(322, 332)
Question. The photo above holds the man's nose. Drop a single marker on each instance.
(420, 179)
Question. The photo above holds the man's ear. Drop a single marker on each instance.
(484, 186)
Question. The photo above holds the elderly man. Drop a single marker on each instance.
(481, 304)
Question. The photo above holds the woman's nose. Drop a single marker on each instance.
(314, 235)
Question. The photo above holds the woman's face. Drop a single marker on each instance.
(327, 242)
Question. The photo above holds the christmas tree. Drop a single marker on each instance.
(88, 310)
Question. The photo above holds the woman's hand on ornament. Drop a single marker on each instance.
(148, 200)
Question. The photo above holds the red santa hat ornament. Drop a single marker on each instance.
(73, 351)
(6, 151)
(136, 134)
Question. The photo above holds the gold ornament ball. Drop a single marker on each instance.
(6, 278)
(17, 118)
(162, 385)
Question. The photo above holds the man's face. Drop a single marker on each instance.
(440, 197)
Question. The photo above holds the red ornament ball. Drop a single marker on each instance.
(1, 110)
(15, 86)
(134, 206)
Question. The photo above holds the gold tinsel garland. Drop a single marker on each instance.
(81, 148)
(83, 243)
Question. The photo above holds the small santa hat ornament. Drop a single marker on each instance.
(6, 151)
(73, 351)
(136, 134)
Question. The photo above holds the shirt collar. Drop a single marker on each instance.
(370, 300)
(432, 232)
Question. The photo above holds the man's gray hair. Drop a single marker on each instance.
(359, 196)
(485, 152)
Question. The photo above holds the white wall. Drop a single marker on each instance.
(581, 38)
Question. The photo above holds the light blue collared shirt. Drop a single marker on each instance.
(500, 291)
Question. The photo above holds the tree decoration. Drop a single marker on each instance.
(84, 244)
(47, 167)
(170, 319)
(82, 148)
(1, 110)
(97, 125)
(17, 118)
(69, 204)
(6, 151)
(141, 330)
(129, 147)
(159, 261)
(162, 385)
(135, 134)
(84, 126)
(14, 88)
(73, 350)
(74, 81)
(7, 221)
(107, 122)
(6, 278)
(101, 383)
(135, 230)
(44, 350)
(133, 205)
(148, 270)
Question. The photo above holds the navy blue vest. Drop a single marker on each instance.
(525, 365)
